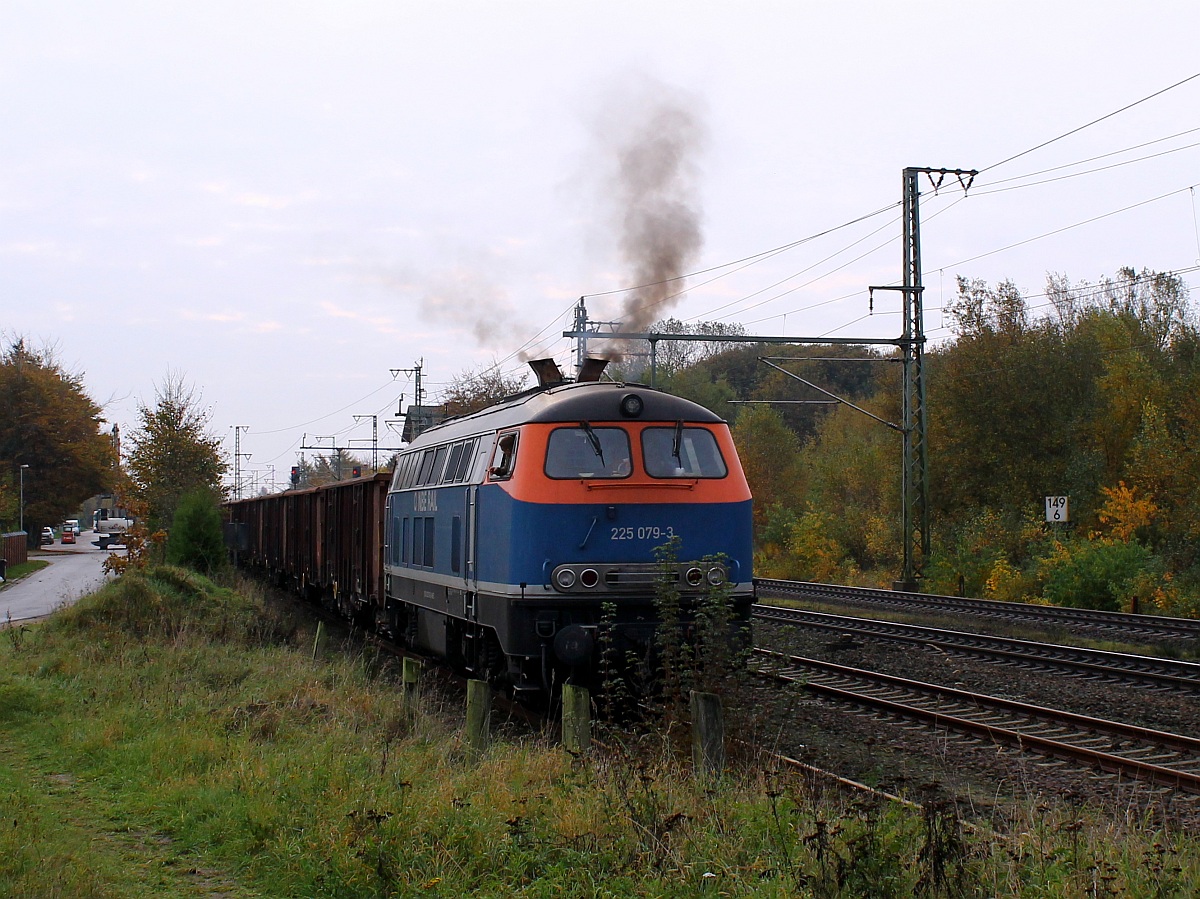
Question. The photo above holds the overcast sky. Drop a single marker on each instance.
(284, 201)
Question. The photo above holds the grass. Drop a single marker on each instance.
(23, 569)
(171, 737)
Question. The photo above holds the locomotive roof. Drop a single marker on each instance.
(592, 401)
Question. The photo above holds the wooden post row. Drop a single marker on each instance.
(576, 718)
(411, 680)
(479, 712)
(708, 733)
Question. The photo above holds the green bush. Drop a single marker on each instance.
(1097, 574)
(196, 540)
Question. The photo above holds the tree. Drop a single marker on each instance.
(673, 356)
(768, 452)
(196, 539)
(329, 469)
(172, 452)
(476, 389)
(50, 424)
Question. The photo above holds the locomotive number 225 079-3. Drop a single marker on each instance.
(643, 533)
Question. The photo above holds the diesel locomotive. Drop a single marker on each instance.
(512, 540)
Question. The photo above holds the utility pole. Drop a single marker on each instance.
(417, 416)
(915, 465)
(374, 439)
(23, 467)
(415, 371)
(583, 329)
(238, 455)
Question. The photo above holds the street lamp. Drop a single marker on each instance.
(23, 467)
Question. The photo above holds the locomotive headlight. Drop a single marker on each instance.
(632, 405)
(716, 576)
(564, 578)
(694, 577)
(589, 577)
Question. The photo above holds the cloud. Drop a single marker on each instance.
(380, 323)
(262, 201)
(240, 319)
(31, 248)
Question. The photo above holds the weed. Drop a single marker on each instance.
(943, 853)
(14, 633)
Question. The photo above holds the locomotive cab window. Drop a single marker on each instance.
(504, 459)
(588, 452)
(681, 452)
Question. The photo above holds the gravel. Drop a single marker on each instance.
(982, 778)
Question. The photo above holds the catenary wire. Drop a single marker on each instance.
(1089, 124)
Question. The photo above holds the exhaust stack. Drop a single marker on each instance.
(547, 372)
(592, 369)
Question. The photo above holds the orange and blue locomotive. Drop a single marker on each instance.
(516, 534)
(515, 541)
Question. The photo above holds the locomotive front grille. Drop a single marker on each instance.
(688, 577)
(638, 578)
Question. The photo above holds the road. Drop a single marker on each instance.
(74, 571)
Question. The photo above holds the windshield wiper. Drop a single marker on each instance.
(593, 440)
(678, 444)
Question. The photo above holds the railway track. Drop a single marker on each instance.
(1123, 751)
(1124, 624)
(1151, 671)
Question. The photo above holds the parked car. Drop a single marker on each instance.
(47, 536)
(68, 535)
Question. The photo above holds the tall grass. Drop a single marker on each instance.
(172, 737)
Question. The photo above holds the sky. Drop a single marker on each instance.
(283, 202)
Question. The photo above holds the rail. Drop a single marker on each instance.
(1151, 671)
(1126, 623)
(1059, 734)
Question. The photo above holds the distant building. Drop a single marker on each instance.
(421, 418)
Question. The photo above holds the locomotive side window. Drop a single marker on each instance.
(587, 452)
(504, 459)
(681, 452)
(426, 468)
(468, 456)
(439, 462)
(452, 464)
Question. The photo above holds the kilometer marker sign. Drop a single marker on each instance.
(1057, 509)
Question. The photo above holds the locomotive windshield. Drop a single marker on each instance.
(587, 452)
(682, 453)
